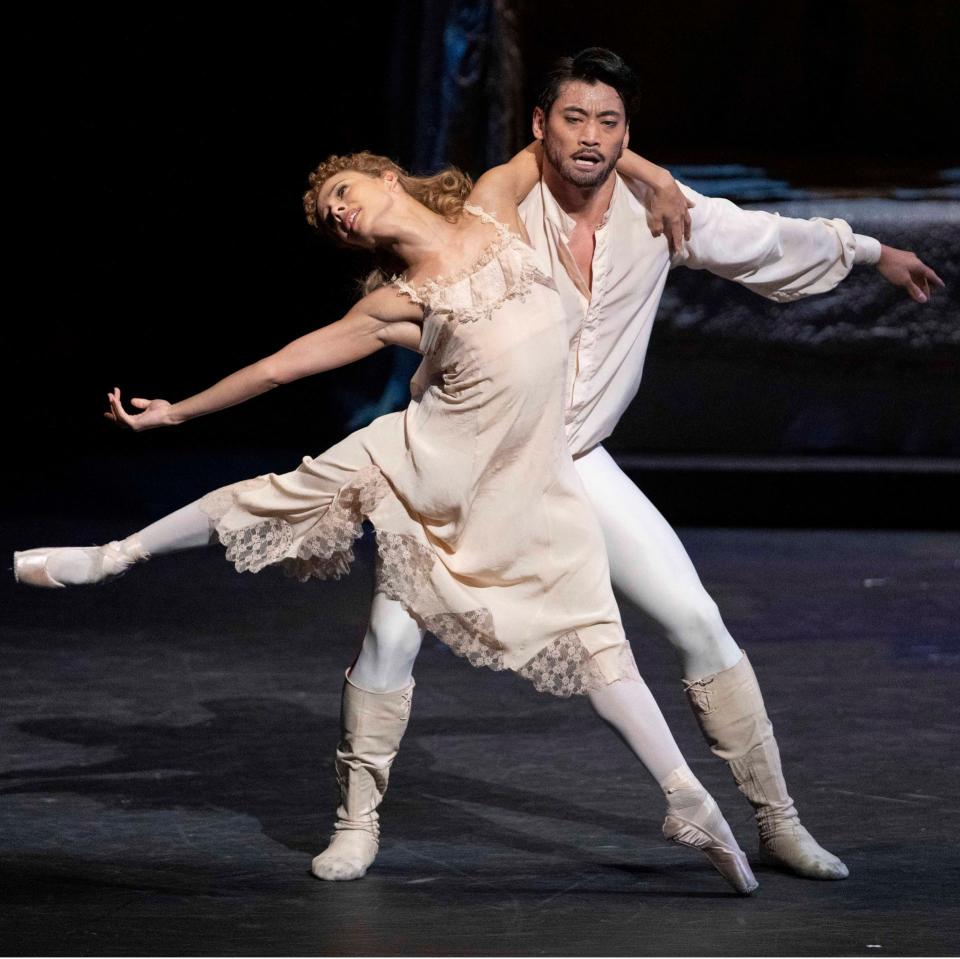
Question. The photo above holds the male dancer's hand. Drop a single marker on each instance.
(906, 269)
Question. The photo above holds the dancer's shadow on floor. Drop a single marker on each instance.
(272, 759)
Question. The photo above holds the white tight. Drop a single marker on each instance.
(629, 709)
(647, 562)
(389, 650)
(187, 528)
(648, 565)
(393, 640)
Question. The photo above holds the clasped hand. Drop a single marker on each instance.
(155, 412)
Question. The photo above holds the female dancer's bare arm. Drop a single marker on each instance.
(382, 318)
(667, 208)
(502, 188)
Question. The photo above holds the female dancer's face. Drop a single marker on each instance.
(351, 203)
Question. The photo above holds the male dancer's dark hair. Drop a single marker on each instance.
(592, 65)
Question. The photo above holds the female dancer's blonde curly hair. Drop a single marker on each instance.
(444, 193)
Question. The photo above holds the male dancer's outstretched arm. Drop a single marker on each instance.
(784, 258)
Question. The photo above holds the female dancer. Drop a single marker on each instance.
(484, 535)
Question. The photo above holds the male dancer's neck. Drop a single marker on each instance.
(583, 204)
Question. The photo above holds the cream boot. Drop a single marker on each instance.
(732, 717)
(372, 725)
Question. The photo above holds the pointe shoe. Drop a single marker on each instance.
(694, 819)
(105, 562)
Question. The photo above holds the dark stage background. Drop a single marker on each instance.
(166, 771)
(160, 243)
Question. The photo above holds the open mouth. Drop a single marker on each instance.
(587, 161)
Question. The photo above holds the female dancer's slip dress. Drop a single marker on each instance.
(484, 534)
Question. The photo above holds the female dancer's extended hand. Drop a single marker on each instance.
(155, 412)
(666, 206)
(668, 212)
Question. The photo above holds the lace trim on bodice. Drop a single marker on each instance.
(563, 668)
(484, 293)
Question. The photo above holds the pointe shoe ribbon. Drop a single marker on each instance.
(693, 819)
(32, 566)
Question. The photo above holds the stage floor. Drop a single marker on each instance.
(167, 746)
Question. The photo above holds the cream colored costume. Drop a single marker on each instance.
(484, 533)
(608, 326)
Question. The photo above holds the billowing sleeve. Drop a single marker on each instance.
(779, 257)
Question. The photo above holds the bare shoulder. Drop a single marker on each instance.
(496, 192)
(389, 304)
(397, 319)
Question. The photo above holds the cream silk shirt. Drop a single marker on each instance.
(609, 327)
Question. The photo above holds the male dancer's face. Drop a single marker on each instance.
(584, 134)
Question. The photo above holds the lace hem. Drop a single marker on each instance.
(325, 552)
(564, 668)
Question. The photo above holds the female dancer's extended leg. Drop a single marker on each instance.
(186, 528)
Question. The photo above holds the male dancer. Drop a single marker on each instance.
(610, 272)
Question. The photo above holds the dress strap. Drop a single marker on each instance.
(481, 213)
(399, 281)
(430, 294)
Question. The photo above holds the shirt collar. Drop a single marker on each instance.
(566, 223)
